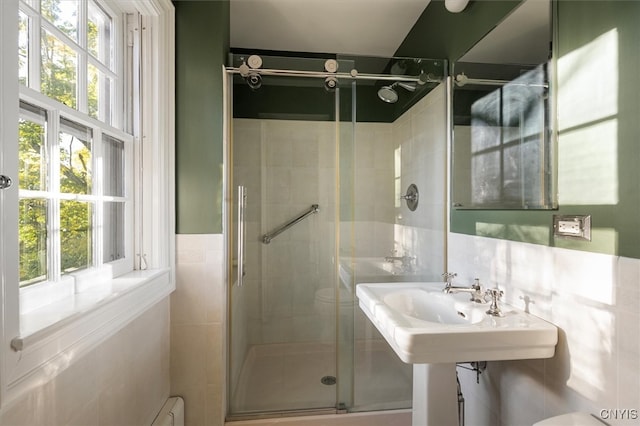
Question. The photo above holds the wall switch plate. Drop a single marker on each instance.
(572, 226)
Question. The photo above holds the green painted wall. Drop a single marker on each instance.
(202, 44)
(616, 220)
(441, 34)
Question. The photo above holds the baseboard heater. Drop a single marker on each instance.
(171, 414)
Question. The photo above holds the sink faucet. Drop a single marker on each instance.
(448, 278)
(495, 294)
(475, 290)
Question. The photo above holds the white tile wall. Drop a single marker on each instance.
(198, 329)
(124, 381)
(420, 134)
(592, 298)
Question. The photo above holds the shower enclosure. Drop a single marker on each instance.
(319, 153)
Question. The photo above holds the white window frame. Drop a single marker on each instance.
(35, 349)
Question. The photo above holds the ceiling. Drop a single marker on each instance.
(379, 27)
(357, 27)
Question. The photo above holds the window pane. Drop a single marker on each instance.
(76, 239)
(113, 166)
(32, 151)
(113, 236)
(99, 94)
(33, 241)
(23, 48)
(63, 14)
(99, 34)
(75, 158)
(58, 73)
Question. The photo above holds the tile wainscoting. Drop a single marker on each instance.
(592, 298)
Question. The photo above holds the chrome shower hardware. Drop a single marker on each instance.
(388, 93)
(330, 84)
(266, 238)
(254, 61)
(250, 73)
(331, 65)
(411, 197)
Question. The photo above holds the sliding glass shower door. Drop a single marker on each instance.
(317, 164)
(283, 306)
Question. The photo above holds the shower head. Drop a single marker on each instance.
(388, 93)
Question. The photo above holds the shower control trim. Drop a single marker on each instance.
(411, 197)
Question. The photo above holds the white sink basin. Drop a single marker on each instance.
(424, 325)
(431, 307)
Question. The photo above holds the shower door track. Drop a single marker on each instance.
(287, 413)
(353, 75)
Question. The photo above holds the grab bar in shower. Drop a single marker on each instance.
(266, 238)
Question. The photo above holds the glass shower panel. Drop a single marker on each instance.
(283, 318)
(395, 144)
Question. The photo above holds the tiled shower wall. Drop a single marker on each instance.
(286, 167)
(421, 137)
(592, 298)
(390, 157)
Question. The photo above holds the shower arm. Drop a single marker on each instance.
(353, 75)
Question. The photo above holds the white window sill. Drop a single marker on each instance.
(53, 336)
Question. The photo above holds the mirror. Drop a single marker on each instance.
(502, 128)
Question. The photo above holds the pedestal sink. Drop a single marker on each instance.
(433, 331)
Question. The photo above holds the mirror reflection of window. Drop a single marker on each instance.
(502, 135)
(508, 132)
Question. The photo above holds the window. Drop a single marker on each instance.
(75, 185)
(72, 196)
(75, 218)
(74, 61)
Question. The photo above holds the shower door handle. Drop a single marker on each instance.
(242, 205)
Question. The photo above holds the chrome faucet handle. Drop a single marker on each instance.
(495, 294)
(449, 276)
(478, 295)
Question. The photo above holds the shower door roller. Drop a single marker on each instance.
(5, 182)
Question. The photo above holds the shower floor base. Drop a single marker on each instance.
(380, 418)
(287, 377)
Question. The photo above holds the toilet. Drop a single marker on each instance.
(325, 301)
(571, 419)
